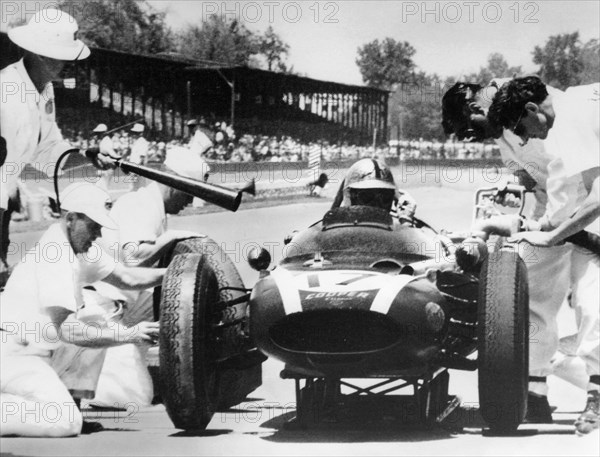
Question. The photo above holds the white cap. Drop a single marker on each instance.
(100, 128)
(191, 122)
(137, 128)
(186, 163)
(89, 199)
(51, 33)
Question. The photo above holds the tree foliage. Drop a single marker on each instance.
(386, 64)
(274, 50)
(590, 58)
(415, 107)
(560, 60)
(226, 41)
(122, 25)
(496, 67)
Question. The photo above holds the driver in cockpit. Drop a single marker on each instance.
(369, 182)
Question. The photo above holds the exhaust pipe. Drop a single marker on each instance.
(218, 195)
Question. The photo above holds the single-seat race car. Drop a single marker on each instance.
(358, 296)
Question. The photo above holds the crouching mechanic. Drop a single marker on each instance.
(142, 240)
(43, 291)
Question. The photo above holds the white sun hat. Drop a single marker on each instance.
(51, 33)
(186, 163)
(89, 199)
(137, 128)
(100, 128)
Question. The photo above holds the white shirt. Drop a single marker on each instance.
(139, 150)
(106, 146)
(28, 124)
(539, 160)
(574, 142)
(574, 137)
(49, 275)
(140, 216)
(200, 142)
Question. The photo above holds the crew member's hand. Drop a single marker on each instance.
(144, 333)
(101, 160)
(544, 239)
(507, 199)
(180, 235)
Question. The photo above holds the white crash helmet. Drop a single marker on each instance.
(366, 176)
(369, 174)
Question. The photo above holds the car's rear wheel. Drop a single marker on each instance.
(503, 341)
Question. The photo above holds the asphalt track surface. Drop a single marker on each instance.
(258, 426)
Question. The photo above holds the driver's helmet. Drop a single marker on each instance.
(369, 182)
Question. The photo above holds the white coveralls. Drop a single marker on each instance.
(124, 379)
(560, 263)
(574, 141)
(28, 124)
(33, 399)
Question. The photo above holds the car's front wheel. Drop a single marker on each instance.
(503, 341)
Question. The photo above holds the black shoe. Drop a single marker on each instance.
(91, 427)
(538, 409)
(590, 417)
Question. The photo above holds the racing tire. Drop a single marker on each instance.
(187, 373)
(503, 341)
(233, 383)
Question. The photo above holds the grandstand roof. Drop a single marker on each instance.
(183, 63)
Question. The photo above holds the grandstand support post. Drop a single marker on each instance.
(188, 88)
(374, 140)
(231, 85)
(232, 103)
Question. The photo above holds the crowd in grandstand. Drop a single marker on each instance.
(229, 147)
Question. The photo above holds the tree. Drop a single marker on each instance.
(122, 25)
(415, 106)
(386, 64)
(590, 58)
(560, 60)
(226, 41)
(274, 49)
(497, 67)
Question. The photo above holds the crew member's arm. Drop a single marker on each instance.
(127, 278)
(588, 211)
(79, 333)
(146, 254)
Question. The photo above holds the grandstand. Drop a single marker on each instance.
(166, 90)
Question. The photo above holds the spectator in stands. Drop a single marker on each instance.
(139, 148)
(201, 139)
(105, 145)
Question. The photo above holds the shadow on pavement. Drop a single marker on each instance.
(200, 433)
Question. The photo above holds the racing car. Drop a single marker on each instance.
(360, 295)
